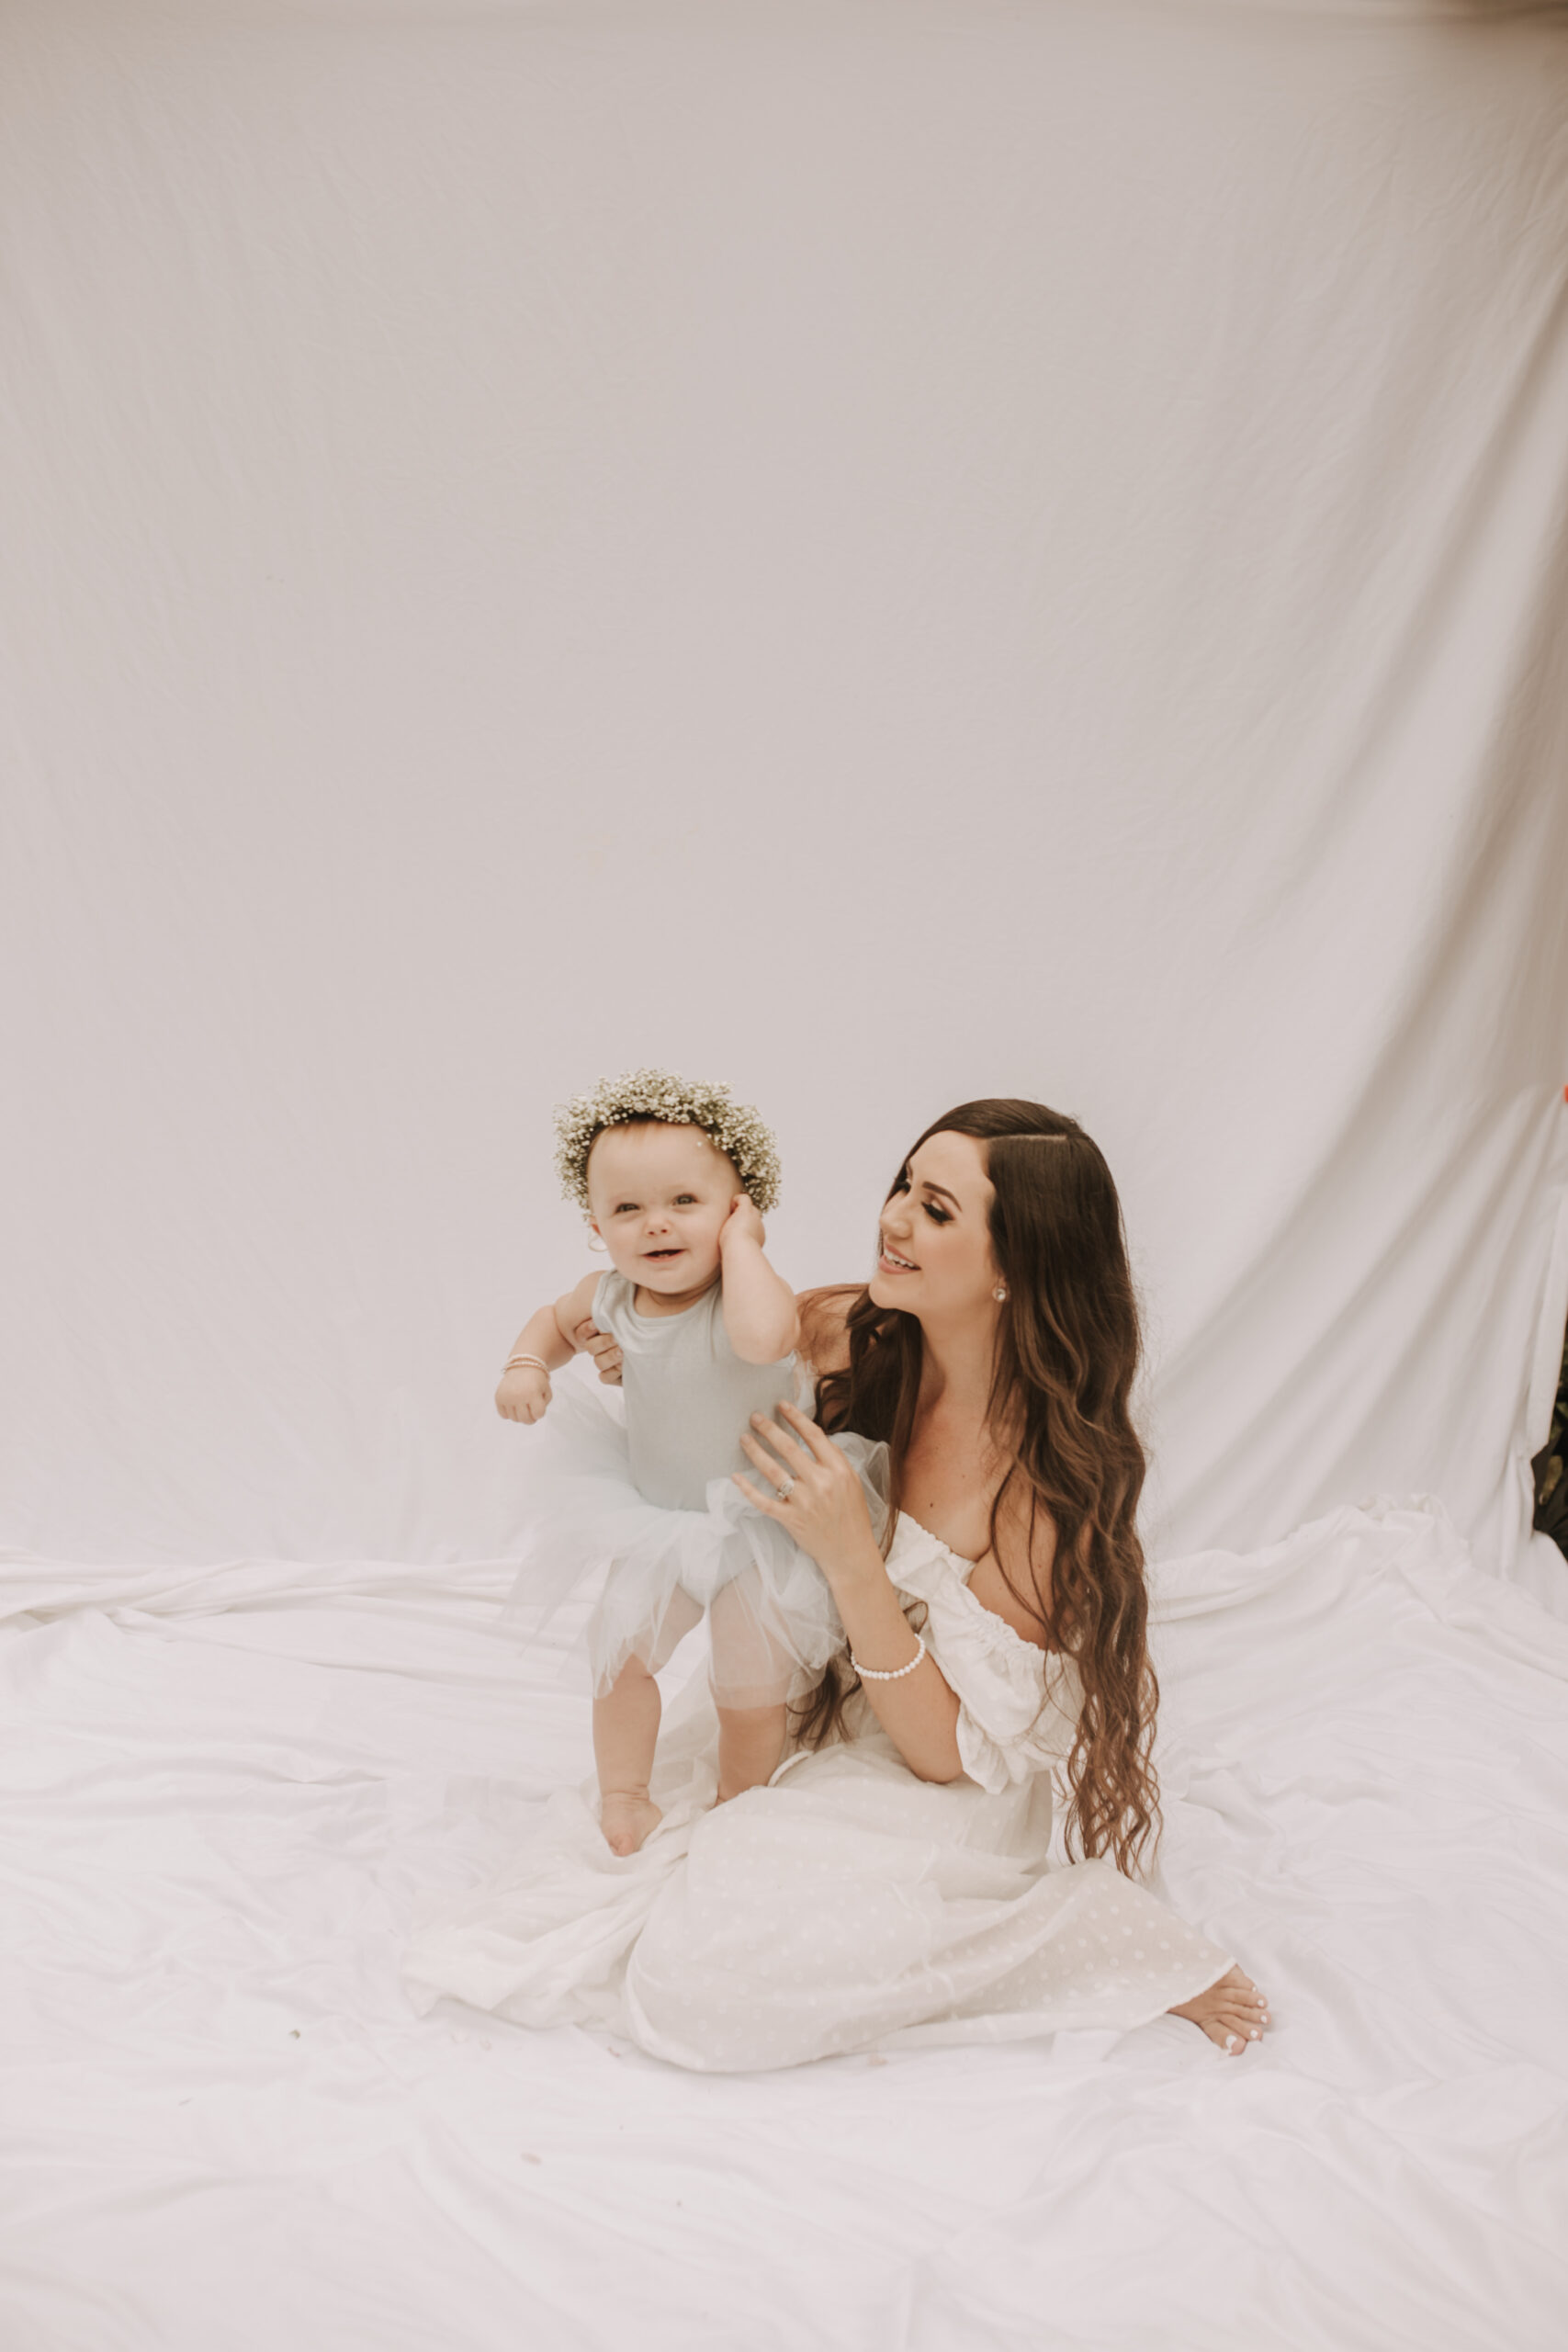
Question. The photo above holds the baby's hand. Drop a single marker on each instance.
(744, 1223)
(524, 1393)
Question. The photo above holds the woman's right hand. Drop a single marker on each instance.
(604, 1348)
(524, 1393)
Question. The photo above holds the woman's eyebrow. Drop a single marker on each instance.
(942, 1189)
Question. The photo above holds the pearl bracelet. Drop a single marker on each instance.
(876, 1674)
(514, 1363)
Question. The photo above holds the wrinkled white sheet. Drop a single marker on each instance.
(224, 2131)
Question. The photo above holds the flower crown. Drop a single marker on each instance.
(680, 1102)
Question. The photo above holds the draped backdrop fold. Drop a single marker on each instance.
(882, 553)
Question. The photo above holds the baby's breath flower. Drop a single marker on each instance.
(680, 1102)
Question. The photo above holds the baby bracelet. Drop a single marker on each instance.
(876, 1674)
(514, 1362)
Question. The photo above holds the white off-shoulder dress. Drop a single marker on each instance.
(848, 1906)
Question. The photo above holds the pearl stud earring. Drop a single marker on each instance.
(998, 1293)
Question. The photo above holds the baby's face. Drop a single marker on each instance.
(658, 1195)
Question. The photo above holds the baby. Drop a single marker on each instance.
(674, 1178)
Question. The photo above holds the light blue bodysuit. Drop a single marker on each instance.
(688, 1395)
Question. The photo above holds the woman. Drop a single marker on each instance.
(892, 1886)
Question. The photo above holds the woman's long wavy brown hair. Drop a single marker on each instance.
(1067, 1356)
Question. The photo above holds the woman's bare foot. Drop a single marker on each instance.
(1232, 2012)
(626, 1820)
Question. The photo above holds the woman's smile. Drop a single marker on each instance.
(893, 1264)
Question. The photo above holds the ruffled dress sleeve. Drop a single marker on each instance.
(1018, 1706)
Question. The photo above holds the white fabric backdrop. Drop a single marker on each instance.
(883, 553)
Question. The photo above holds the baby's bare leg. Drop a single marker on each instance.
(750, 1747)
(750, 1660)
(626, 1732)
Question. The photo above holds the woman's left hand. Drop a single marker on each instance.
(813, 1492)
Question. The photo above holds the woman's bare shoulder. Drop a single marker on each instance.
(824, 1341)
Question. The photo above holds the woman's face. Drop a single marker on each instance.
(935, 1260)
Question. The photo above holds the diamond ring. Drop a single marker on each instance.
(786, 1491)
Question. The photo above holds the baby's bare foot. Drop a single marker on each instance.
(1232, 2012)
(626, 1820)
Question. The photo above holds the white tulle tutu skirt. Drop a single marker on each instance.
(773, 1624)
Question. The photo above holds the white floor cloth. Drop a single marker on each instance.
(225, 2128)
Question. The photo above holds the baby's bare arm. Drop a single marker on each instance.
(524, 1390)
(572, 1312)
(759, 1306)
